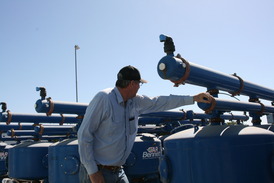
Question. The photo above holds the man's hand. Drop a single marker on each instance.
(203, 97)
(97, 177)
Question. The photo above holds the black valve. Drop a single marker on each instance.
(43, 92)
(169, 46)
(4, 106)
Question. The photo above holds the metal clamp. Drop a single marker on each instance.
(213, 104)
(187, 72)
(241, 86)
(9, 117)
(51, 106)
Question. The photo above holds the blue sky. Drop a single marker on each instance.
(37, 41)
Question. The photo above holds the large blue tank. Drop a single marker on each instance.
(28, 161)
(142, 164)
(64, 161)
(219, 154)
(143, 161)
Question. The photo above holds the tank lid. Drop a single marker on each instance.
(217, 131)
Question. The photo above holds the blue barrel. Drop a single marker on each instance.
(64, 161)
(28, 161)
(143, 161)
(226, 154)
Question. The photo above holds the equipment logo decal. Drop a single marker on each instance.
(152, 153)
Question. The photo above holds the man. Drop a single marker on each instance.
(109, 127)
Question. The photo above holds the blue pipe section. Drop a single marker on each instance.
(164, 117)
(227, 106)
(5, 128)
(40, 131)
(172, 115)
(18, 139)
(202, 122)
(191, 115)
(36, 118)
(54, 130)
(173, 69)
(49, 107)
(14, 133)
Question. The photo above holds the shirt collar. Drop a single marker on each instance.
(119, 97)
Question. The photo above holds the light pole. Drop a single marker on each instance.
(76, 47)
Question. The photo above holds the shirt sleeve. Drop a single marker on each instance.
(154, 104)
(92, 118)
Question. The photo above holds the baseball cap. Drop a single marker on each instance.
(130, 73)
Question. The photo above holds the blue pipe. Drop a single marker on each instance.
(14, 133)
(49, 107)
(18, 139)
(22, 138)
(227, 106)
(179, 71)
(159, 118)
(5, 128)
(201, 122)
(192, 115)
(36, 118)
(172, 115)
(54, 130)
(40, 130)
